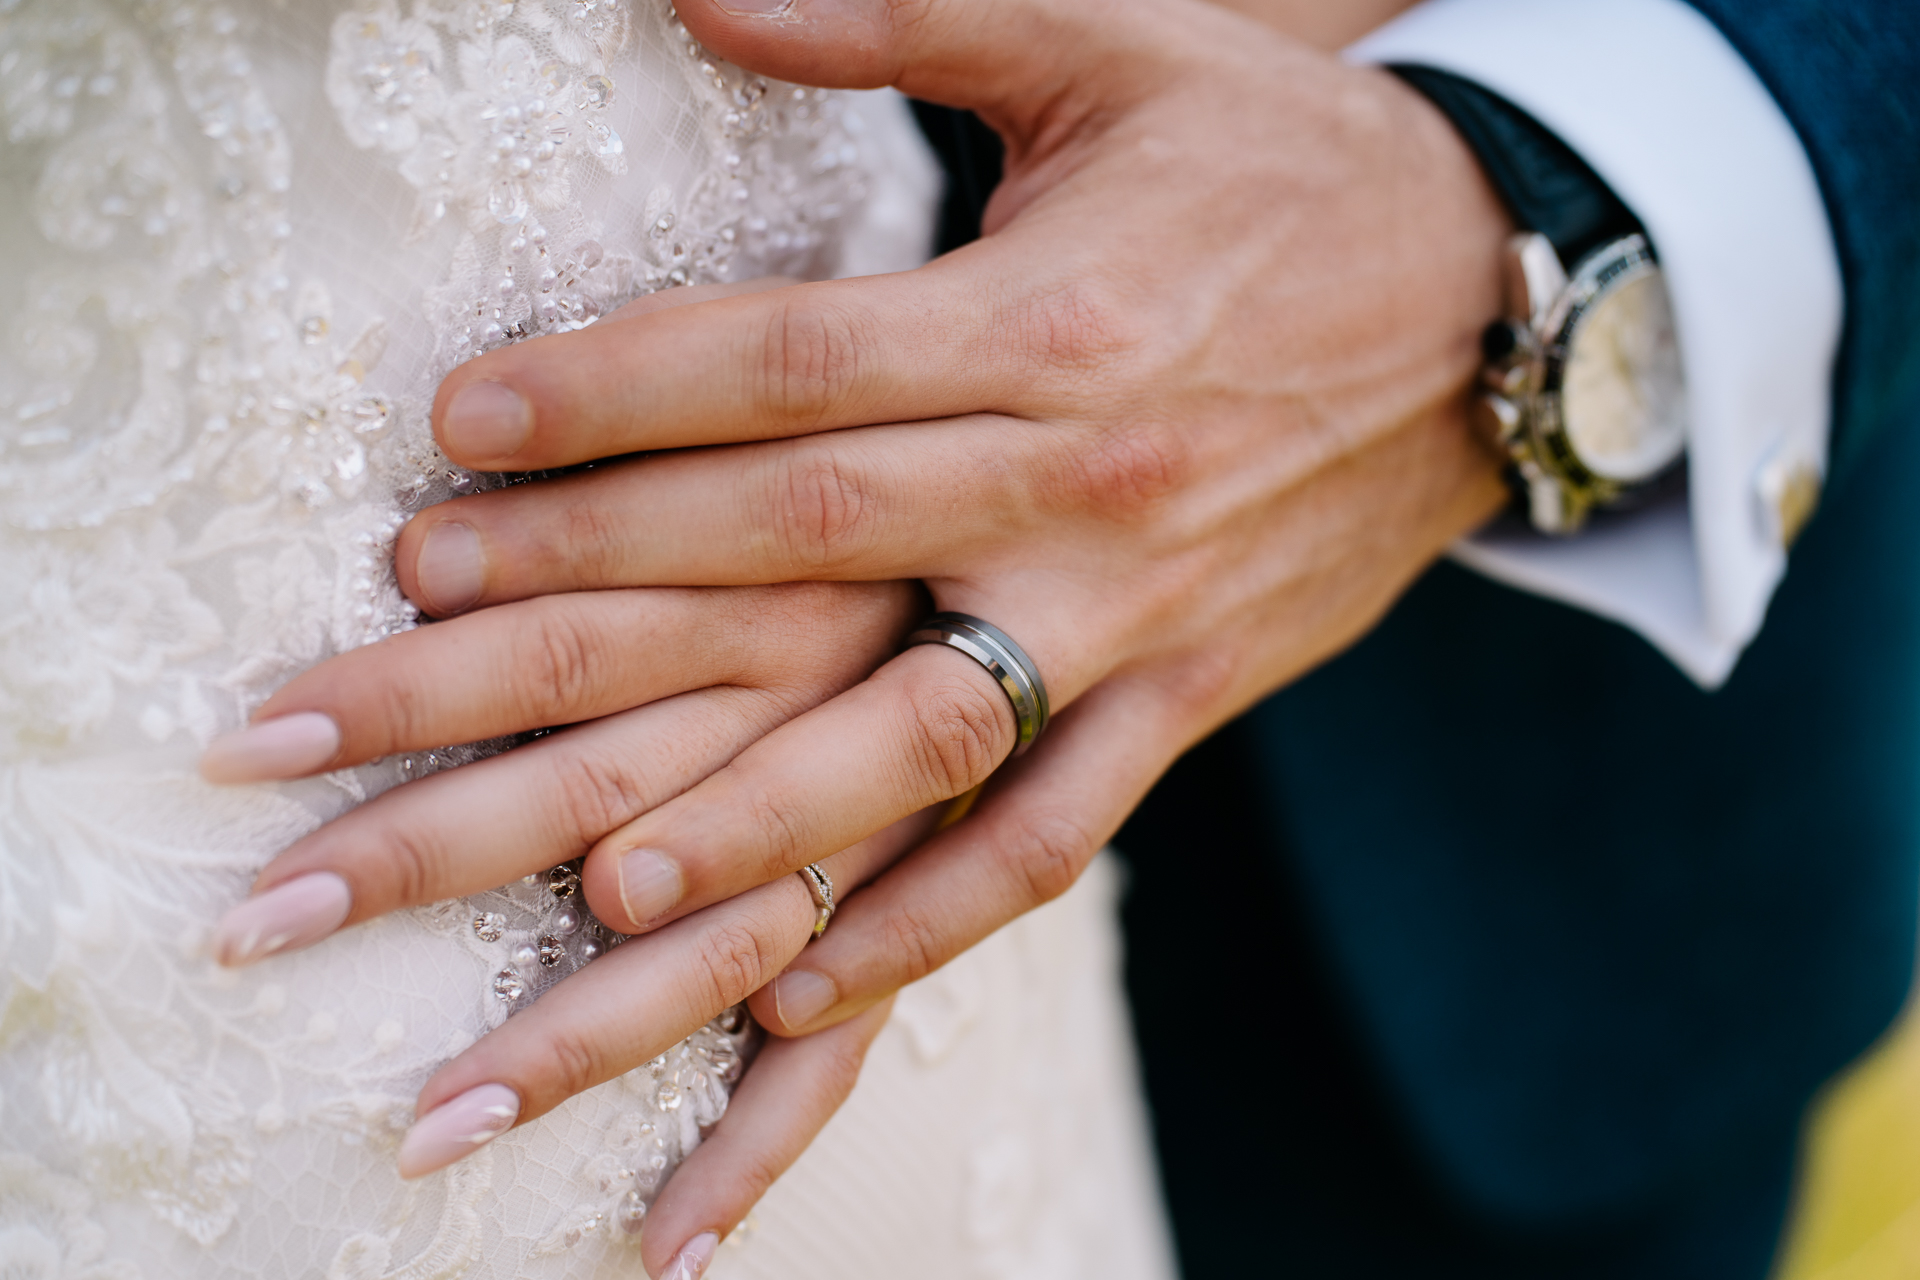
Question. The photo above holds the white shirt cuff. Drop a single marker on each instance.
(1651, 95)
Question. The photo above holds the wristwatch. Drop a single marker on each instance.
(1583, 388)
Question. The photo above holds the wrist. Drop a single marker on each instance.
(1450, 217)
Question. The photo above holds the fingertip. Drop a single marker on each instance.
(760, 1005)
(801, 997)
(691, 1262)
(632, 890)
(449, 568)
(273, 750)
(484, 423)
(835, 44)
(293, 914)
(457, 1128)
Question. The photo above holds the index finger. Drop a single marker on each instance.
(767, 365)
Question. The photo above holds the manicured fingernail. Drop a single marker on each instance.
(649, 885)
(296, 914)
(755, 8)
(485, 421)
(272, 750)
(691, 1262)
(801, 995)
(457, 1127)
(450, 569)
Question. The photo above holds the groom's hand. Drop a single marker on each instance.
(1184, 424)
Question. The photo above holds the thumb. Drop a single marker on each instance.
(1010, 60)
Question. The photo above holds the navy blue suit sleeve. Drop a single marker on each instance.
(1601, 932)
(1848, 77)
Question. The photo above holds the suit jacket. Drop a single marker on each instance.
(1604, 933)
(1597, 934)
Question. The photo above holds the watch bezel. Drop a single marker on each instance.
(1526, 408)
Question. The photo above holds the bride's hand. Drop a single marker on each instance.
(661, 688)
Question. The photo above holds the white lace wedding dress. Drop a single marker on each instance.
(239, 245)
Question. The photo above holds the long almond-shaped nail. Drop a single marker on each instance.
(273, 750)
(457, 1127)
(649, 885)
(485, 422)
(801, 995)
(691, 1262)
(295, 914)
(450, 570)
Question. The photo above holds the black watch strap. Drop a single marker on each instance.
(1544, 184)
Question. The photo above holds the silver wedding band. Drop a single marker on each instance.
(1006, 661)
(820, 885)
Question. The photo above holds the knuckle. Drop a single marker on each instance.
(573, 1063)
(554, 668)
(595, 795)
(810, 360)
(777, 818)
(913, 942)
(824, 510)
(733, 963)
(1047, 855)
(1128, 474)
(757, 1169)
(397, 704)
(593, 538)
(1074, 327)
(958, 735)
(415, 867)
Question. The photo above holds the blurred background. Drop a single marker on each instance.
(1858, 1213)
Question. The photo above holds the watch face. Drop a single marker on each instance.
(1622, 394)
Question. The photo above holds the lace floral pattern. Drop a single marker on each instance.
(243, 243)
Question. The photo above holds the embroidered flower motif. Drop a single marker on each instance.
(383, 79)
(87, 619)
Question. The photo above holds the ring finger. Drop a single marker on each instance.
(928, 726)
(629, 1006)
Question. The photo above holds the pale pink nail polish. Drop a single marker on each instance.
(754, 8)
(485, 421)
(296, 914)
(451, 570)
(800, 996)
(457, 1127)
(649, 884)
(273, 750)
(691, 1262)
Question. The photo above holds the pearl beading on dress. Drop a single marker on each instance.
(212, 427)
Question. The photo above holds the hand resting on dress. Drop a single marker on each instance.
(1184, 424)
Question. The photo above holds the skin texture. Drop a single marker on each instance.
(1185, 424)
